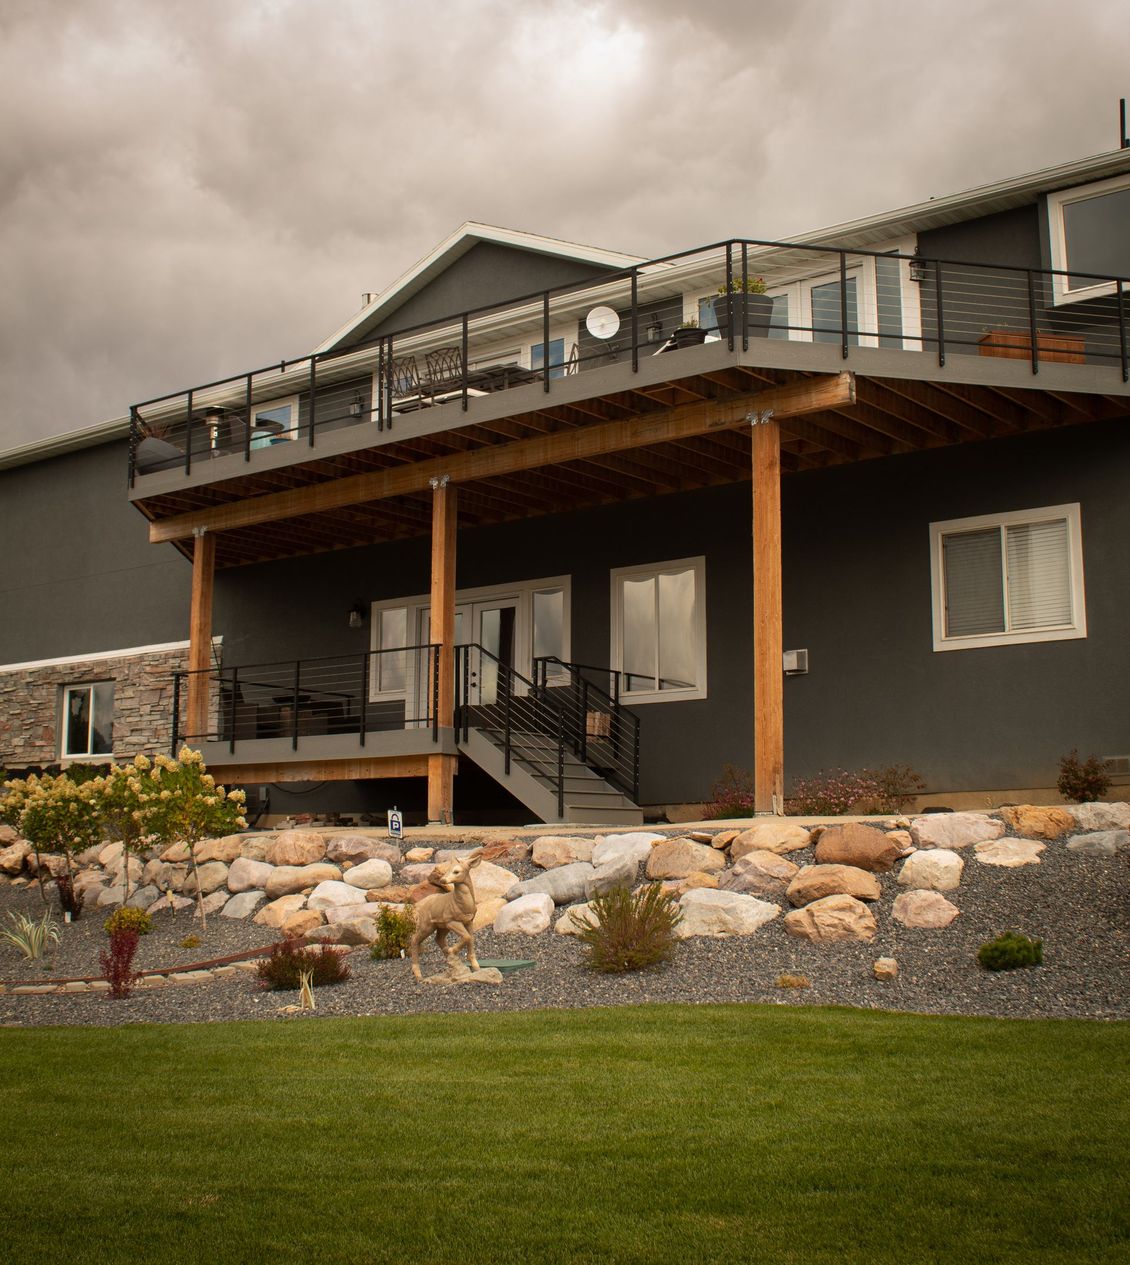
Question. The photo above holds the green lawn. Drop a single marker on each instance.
(682, 1134)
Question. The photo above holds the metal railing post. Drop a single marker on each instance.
(134, 428)
(939, 309)
(1032, 334)
(250, 422)
(388, 386)
(583, 718)
(363, 709)
(463, 358)
(313, 397)
(232, 711)
(435, 653)
(545, 341)
(188, 434)
(561, 765)
(728, 297)
(506, 719)
(843, 306)
(294, 709)
(745, 297)
(1120, 296)
(379, 392)
(635, 321)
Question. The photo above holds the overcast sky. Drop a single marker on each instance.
(191, 188)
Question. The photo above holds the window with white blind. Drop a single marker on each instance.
(1002, 579)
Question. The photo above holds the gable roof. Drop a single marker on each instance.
(453, 247)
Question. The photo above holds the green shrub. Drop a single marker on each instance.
(1010, 951)
(129, 920)
(1082, 781)
(190, 942)
(394, 933)
(633, 929)
(288, 961)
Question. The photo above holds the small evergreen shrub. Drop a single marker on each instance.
(394, 933)
(1010, 951)
(633, 929)
(289, 960)
(190, 942)
(1082, 781)
(128, 920)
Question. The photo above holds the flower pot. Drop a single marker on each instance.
(689, 336)
(759, 313)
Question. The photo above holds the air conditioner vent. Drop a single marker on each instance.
(1116, 764)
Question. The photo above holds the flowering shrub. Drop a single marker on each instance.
(1082, 781)
(731, 795)
(831, 794)
(57, 814)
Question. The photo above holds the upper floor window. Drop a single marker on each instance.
(273, 421)
(88, 713)
(1088, 234)
(1002, 579)
(556, 357)
(659, 630)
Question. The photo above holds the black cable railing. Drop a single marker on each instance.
(814, 294)
(362, 694)
(601, 732)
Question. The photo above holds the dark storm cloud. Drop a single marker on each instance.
(192, 189)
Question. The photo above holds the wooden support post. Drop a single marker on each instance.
(441, 768)
(768, 642)
(200, 636)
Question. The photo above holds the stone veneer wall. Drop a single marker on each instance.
(143, 704)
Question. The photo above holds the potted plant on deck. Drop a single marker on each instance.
(688, 334)
(757, 304)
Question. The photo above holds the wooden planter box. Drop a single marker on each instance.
(1017, 345)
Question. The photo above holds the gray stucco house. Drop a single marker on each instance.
(548, 531)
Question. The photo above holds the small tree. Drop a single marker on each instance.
(183, 804)
(126, 794)
(60, 815)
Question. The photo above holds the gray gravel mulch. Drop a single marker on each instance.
(1076, 904)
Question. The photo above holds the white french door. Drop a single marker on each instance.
(492, 624)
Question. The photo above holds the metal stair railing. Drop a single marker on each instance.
(604, 735)
(531, 726)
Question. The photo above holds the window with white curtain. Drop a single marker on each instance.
(1002, 579)
(659, 630)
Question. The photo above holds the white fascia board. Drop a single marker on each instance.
(159, 648)
(71, 441)
(457, 245)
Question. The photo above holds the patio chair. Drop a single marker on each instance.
(405, 379)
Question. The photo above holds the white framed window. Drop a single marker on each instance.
(1087, 232)
(388, 671)
(659, 630)
(87, 720)
(556, 357)
(1005, 579)
(274, 421)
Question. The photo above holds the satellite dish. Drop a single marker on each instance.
(602, 322)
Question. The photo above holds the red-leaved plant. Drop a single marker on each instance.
(117, 965)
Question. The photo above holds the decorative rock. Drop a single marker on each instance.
(935, 869)
(701, 836)
(296, 847)
(143, 897)
(226, 849)
(858, 845)
(529, 914)
(178, 854)
(637, 844)
(832, 919)
(110, 896)
(1100, 816)
(814, 882)
(1100, 843)
(356, 931)
(564, 885)
(345, 913)
(759, 873)
(212, 904)
(1038, 822)
(394, 894)
(724, 838)
(775, 835)
(620, 871)
(189, 977)
(421, 890)
(245, 875)
(118, 870)
(419, 854)
(89, 882)
(568, 923)
(332, 893)
(905, 843)
(459, 974)
(676, 858)
(8, 834)
(278, 911)
(110, 853)
(954, 830)
(161, 874)
(486, 911)
(360, 848)
(417, 873)
(490, 880)
(243, 905)
(446, 855)
(207, 878)
(12, 857)
(923, 909)
(287, 879)
(300, 923)
(161, 905)
(370, 874)
(887, 968)
(1010, 854)
(53, 866)
(717, 913)
(551, 851)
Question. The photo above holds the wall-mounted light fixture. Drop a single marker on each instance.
(356, 615)
(919, 268)
(356, 405)
(655, 330)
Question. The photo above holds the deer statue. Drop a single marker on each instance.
(452, 911)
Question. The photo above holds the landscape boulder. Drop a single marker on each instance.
(550, 851)
(417, 855)
(860, 846)
(832, 919)
(369, 874)
(278, 911)
(296, 847)
(331, 893)
(175, 853)
(490, 880)
(286, 879)
(206, 879)
(934, 869)
(621, 871)
(676, 858)
(573, 921)
(356, 931)
(565, 885)
(708, 912)
(814, 882)
(759, 873)
(243, 905)
(1100, 843)
(885, 968)
(1037, 821)
(954, 830)
(486, 911)
(13, 856)
(255, 847)
(143, 897)
(635, 843)
(1009, 853)
(300, 923)
(359, 849)
(394, 894)
(528, 915)
(225, 849)
(921, 908)
(777, 835)
(245, 875)
(1096, 816)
